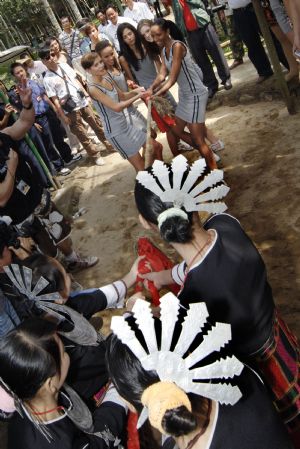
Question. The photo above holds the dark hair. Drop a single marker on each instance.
(82, 22)
(44, 51)
(98, 11)
(50, 39)
(88, 60)
(43, 266)
(152, 49)
(88, 28)
(131, 380)
(102, 45)
(174, 229)
(165, 25)
(110, 5)
(65, 17)
(14, 65)
(125, 50)
(29, 355)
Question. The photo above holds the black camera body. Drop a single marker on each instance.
(8, 236)
(81, 94)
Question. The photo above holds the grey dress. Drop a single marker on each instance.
(133, 116)
(192, 93)
(126, 138)
(147, 74)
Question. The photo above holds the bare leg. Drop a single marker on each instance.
(198, 132)
(137, 162)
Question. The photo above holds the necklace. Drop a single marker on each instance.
(207, 243)
(59, 407)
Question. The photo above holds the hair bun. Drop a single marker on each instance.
(179, 421)
(176, 229)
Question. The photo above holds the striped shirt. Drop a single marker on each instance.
(66, 41)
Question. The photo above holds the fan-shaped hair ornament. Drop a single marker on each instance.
(82, 332)
(184, 193)
(170, 364)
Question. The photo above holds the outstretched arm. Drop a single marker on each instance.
(18, 130)
(179, 52)
(97, 95)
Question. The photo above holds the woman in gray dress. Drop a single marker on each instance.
(106, 52)
(110, 103)
(193, 95)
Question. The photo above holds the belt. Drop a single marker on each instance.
(41, 115)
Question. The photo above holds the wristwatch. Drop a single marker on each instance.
(28, 107)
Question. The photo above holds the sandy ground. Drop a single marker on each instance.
(262, 166)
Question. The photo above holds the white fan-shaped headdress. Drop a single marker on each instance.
(171, 366)
(186, 194)
(82, 333)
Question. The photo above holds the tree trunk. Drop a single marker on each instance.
(51, 16)
(75, 9)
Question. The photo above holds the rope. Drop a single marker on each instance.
(148, 154)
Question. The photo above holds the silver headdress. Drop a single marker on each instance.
(186, 194)
(82, 333)
(172, 366)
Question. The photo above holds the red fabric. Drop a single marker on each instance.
(154, 260)
(189, 19)
(132, 432)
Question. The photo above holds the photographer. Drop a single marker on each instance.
(24, 198)
(71, 102)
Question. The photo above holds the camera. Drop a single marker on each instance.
(8, 236)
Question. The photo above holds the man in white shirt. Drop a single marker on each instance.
(137, 11)
(71, 103)
(248, 28)
(103, 22)
(115, 20)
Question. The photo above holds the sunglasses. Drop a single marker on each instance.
(49, 56)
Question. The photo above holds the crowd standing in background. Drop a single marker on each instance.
(78, 101)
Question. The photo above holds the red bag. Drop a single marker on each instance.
(189, 19)
(157, 261)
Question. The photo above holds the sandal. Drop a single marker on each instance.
(217, 146)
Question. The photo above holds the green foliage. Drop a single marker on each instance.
(23, 13)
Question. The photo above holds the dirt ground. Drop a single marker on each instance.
(261, 161)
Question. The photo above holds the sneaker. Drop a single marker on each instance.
(183, 146)
(64, 171)
(75, 158)
(217, 146)
(81, 263)
(99, 161)
(217, 157)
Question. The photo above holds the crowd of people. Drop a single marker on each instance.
(213, 367)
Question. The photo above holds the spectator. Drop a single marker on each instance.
(70, 40)
(71, 102)
(47, 123)
(91, 31)
(35, 69)
(115, 20)
(137, 11)
(248, 28)
(56, 48)
(193, 21)
(23, 196)
(103, 21)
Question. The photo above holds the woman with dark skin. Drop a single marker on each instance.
(193, 95)
(142, 65)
